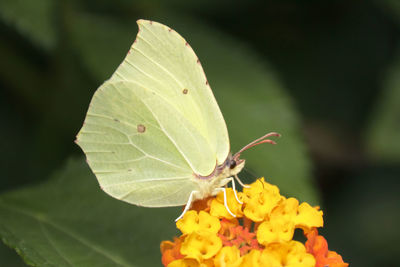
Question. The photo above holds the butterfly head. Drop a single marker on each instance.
(234, 166)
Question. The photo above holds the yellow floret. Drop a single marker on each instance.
(286, 209)
(275, 230)
(218, 208)
(184, 263)
(253, 259)
(308, 217)
(228, 256)
(260, 199)
(201, 245)
(288, 254)
(193, 221)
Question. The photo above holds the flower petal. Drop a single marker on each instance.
(277, 230)
(201, 245)
(193, 221)
(308, 217)
(228, 256)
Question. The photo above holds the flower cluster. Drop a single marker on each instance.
(260, 235)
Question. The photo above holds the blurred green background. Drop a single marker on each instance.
(326, 74)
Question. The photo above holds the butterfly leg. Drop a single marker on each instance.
(230, 179)
(225, 201)
(240, 182)
(188, 205)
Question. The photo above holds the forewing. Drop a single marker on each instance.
(155, 124)
(163, 62)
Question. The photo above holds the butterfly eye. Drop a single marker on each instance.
(232, 164)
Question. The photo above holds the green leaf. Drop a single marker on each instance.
(33, 19)
(9, 257)
(384, 129)
(251, 98)
(69, 221)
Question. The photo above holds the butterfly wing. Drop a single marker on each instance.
(155, 123)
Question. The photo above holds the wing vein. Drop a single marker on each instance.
(151, 156)
(171, 139)
(142, 71)
(119, 162)
(126, 103)
(162, 128)
(149, 180)
(161, 197)
(161, 67)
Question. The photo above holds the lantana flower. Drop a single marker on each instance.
(260, 235)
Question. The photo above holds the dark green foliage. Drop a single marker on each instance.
(69, 221)
(324, 75)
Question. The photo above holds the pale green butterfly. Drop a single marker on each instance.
(154, 135)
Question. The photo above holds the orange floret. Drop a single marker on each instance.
(318, 246)
(170, 251)
(232, 234)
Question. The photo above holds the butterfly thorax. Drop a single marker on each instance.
(209, 185)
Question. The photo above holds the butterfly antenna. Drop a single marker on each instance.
(259, 141)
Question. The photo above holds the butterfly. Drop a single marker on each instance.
(154, 135)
